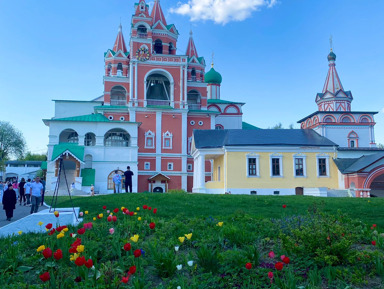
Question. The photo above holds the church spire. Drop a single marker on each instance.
(332, 82)
(191, 48)
(157, 13)
(120, 43)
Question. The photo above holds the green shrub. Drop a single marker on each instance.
(208, 259)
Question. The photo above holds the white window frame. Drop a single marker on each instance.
(280, 157)
(189, 167)
(300, 156)
(257, 157)
(326, 157)
(167, 135)
(149, 134)
(170, 166)
(189, 145)
(147, 166)
(218, 173)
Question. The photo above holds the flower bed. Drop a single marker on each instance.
(141, 247)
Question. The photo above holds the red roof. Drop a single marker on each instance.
(157, 13)
(191, 48)
(120, 43)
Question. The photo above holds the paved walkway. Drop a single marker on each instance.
(19, 213)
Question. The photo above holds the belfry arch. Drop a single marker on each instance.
(159, 88)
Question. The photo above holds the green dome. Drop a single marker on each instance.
(213, 76)
(331, 56)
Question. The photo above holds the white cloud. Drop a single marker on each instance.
(221, 11)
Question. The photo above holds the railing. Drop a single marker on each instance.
(158, 102)
(142, 35)
(194, 106)
(193, 78)
(118, 102)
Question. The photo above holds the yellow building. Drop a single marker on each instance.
(264, 162)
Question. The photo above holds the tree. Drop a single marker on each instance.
(380, 146)
(280, 126)
(34, 157)
(12, 142)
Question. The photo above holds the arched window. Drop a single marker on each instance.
(193, 99)
(142, 31)
(328, 119)
(158, 46)
(219, 126)
(118, 95)
(111, 184)
(149, 140)
(364, 120)
(69, 136)
(158, 90)
(170, 48)
(119, 69)
(109, 69)
(193, 74)
(88, 161)
(89, 139)
(353, 140)
(116, 138)
(167, 140)
(346, 119)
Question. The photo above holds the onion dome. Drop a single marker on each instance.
(331, 56)
(212, 76)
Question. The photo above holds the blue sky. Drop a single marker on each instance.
(272, 55)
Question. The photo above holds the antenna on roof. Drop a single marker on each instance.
(331, 42)
(213, 55)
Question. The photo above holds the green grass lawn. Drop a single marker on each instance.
(200, 241)
(370, 211)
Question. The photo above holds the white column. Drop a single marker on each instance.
(131, 84)
(184, 141)
(159, 138)
(199, 174)
(136, 83)
(81, 139)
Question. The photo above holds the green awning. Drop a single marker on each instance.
(74, 149)
(43, 165)
(88, 176)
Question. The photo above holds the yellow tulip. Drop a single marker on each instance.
(101, 215)
(189, 236)
(138, 209)
(135, 213)
(40, 223)
(122, 208)
(86, 212)
(181, 239)
(61, 235)
(139, 218)
(56, 213)
(65, 229)
(20, 232)
(80, 248)
(94, 218)
(41, 248)
(135, 238)
(219, 224)
(73, 257)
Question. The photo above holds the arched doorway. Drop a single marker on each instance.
(111, 184)
(69, 173)
(377, 186)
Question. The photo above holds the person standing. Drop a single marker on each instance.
(92, 190)
(15, 186)
(1, 191)
(9, 202)
(36, 192)
(117, 183)
(42, 196)
(27, 191)
(22, 191)
(128, 179)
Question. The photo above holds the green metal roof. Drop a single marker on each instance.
(76, 150)
(222, 101)
(212, 76)
(111, 107)
(203, 111)
(88, 176)
(97, 117)
(43, 165)
(249, 126)
(160, 106)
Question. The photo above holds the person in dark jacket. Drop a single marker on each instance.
(22, 191)
(9, 202)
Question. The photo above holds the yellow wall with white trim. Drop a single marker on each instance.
(215, 183)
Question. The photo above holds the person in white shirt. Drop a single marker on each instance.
(36, 192)
(27, 191)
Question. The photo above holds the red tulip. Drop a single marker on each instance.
(270, 275)
(149, 208)
(73, 250)
(145, 207)
(47, 253)
(45, 277)
(116, 210)
(81, 231)
(154, 210)
(137, 253)
(88, 225)
(104, 207)
(125, 279)
(152, 225)
(114, 218)
(374, 225)
(284, 206)
(109, 219)
(374, 243)
(80, 261)
(78, 279)
(89, 263)
(48, 226)
(58, 254)
(127, 247)
(286, 260)
(132, 269)
(248, 266)
(279, 266)
(131, 213)
(51, 232)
